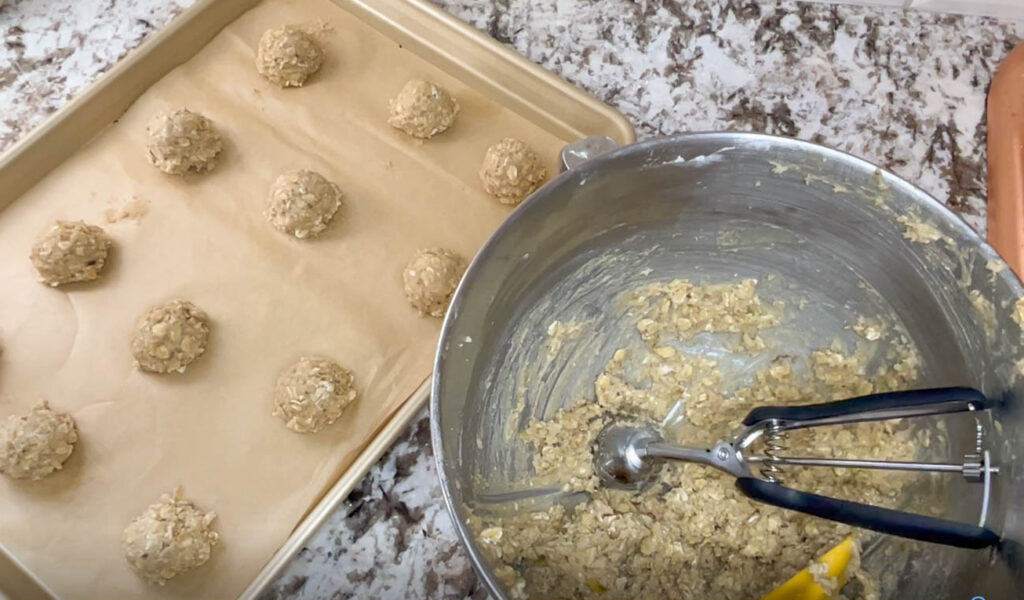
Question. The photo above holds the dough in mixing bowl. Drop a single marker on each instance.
(430, 279)
(1018, 312)
(181, 141)
(511, 171)
(34, 445)
(312, 393)
(422, 109)
(168, 337)
(70, 251)
(287, 56)
(692, 534)
(168, 538)
(302, 203)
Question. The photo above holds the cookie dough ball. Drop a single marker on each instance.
(430, 279)
(302, 203)
(168, 538)
(287, 56)
(34, 445)
(511, 171)
(181, 141)
(69, 252)
(312, 393)
(169, 337)
(422, 109)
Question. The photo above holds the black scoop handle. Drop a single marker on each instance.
(882, 520)
(874, 407)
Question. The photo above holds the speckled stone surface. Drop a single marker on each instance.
(905, 90)
(52, 49)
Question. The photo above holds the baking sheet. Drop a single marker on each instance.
(270, 300)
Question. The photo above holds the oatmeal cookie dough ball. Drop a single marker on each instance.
(422, 109)
(287, 56)
(302, 203)
(312, 393)
(34, 445)
(168, 538)
(168, 337)
(511, 171)
(70, 251)
(430, 279)
(181, 141)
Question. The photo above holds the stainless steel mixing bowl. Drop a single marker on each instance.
(712, 207)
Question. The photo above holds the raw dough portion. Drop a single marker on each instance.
(919, 231)
(511, 171)
(69, 252)
(312, 393)
(422, 109)
(168, 538)
(559, 333)
(181, 141)
(430, 279)
(168, 337)
(34, 445)
(287, 56)
(1018, 312)
(985, 309)
(302, 203)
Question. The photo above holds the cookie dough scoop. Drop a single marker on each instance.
(628, 458)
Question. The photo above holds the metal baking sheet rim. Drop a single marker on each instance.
(102, 103)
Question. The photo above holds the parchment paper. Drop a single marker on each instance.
(270, 298)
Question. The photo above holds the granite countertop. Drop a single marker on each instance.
(905, 90)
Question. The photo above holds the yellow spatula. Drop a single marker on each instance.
(802, 586)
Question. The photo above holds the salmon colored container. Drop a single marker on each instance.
(1006, 160)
